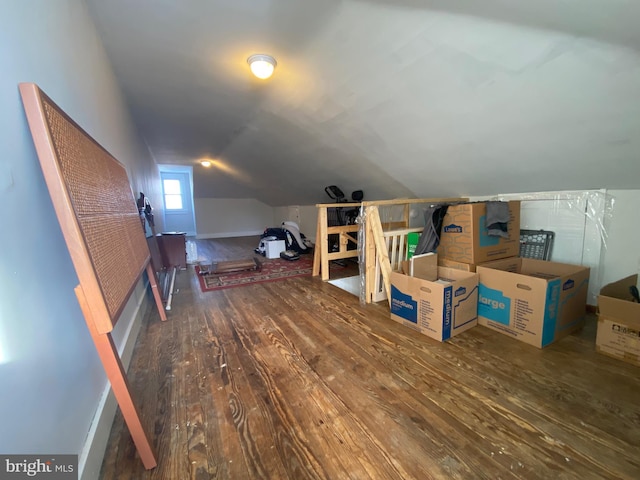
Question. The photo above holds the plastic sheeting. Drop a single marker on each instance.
(578, 219)
(595, 206)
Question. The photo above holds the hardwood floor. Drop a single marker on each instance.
(297, 380)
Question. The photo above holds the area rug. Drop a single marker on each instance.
(272, 270)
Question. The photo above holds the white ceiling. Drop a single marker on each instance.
(395, 97)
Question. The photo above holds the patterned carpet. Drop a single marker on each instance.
(272, 270)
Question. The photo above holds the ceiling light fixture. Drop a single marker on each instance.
(262, 65)
(205, 163)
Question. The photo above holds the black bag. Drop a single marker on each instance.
(290, 241)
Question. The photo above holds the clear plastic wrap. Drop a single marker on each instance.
(361, 221)
(595, 206)
(579, 220)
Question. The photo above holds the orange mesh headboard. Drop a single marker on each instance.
(94, 204)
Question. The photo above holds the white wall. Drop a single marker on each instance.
(52, 381)
(231, 217)
(305, 215)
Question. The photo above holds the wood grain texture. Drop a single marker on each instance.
(297, 380)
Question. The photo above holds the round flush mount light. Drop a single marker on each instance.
(262, 66)
(205, 163)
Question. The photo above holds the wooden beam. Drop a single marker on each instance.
(110, 358)
(337, 205)
(324, 244)
(317, 250)
(370, 259)
(381, 250)
(402, 201)
(153, 281)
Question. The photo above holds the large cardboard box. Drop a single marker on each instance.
(464, 235)
(534, 301)
(439, 309)
(619, 321)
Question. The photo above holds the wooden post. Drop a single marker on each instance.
(117, 377)
(320, 260)
(153, 281)
(370, 257)
(381, 250)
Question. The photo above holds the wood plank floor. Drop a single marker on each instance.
(297, 380)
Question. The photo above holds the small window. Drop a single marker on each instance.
(172, 195)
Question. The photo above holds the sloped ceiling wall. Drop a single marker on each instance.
(398, 98)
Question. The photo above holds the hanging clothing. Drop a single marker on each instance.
(497, 219)
(430, 236)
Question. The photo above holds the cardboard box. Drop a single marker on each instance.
(423, 266)
(273, 248)
(466, 267)
(509, 264)
(464, 234)
(619, 321)
(534, 301)
(439, 309)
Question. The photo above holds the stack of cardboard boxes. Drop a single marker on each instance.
(619, 320)
(534, 301)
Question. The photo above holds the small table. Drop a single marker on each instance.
(173, 250)
(231, 266)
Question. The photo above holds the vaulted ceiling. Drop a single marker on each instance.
(395, 97)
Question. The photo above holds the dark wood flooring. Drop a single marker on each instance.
(297, 380)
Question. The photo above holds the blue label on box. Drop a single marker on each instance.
(452, 228)
(551, 312)
(446, 313)
(485, 239)
(568, 285)
(492, 304)
(460, 291)
(403, 305)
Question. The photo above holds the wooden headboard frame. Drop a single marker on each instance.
(99, 218)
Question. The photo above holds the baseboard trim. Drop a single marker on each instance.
(92, 455)
(203, 236)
